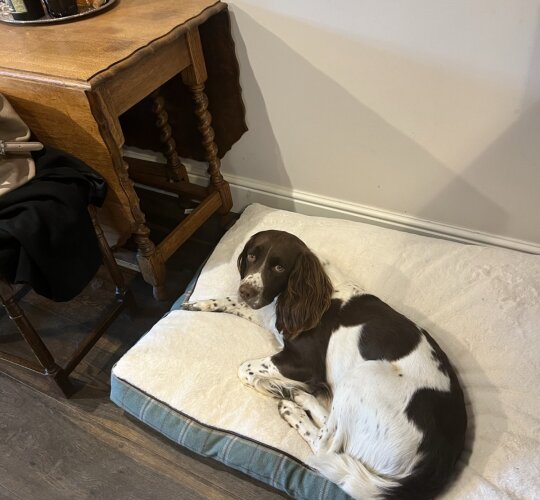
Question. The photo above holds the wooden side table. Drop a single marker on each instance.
(71, 82)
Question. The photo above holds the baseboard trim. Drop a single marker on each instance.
(246, 191)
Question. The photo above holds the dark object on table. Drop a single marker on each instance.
(84, 9)
(26, 10)
(61, 8)
(46, 236)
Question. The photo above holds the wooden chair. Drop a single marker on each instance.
(46, 364)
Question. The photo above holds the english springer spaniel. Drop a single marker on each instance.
(370, 392)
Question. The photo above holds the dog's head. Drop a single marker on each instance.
(278, 264)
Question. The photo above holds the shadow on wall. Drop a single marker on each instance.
(309, 133)
(510, 167)
(261, 151)
(510, 164)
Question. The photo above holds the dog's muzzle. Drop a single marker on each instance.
(251, 290)
(250, 295)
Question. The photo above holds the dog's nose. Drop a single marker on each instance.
(247, 292)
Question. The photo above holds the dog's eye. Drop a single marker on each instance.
(279, 268)
(251, 257)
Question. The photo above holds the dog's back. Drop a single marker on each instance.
(397, 405)
(442, 418)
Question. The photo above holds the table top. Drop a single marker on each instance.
(78, 51)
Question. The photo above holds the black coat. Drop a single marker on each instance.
(46, 235)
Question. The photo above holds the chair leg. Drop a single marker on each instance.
(50, 368)
(122, 293)
(123, 296)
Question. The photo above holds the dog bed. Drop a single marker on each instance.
(481, 304)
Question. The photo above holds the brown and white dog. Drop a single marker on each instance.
(371, 393)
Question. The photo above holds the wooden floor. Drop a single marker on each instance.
(86, 447)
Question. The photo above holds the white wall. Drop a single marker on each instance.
(427, 109)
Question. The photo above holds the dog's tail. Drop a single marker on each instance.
(352, 475)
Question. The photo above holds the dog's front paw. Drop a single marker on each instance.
(210, 305)
(191, 306)
(201, 305)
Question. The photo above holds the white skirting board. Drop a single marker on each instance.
(245, 191)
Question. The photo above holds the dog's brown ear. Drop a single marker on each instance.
(241, 261)
(307, 297)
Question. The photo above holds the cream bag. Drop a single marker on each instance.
(15, 168)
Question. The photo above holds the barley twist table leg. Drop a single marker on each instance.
(210, 147)
(150, 263)
(176, 170)
(149, 259)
